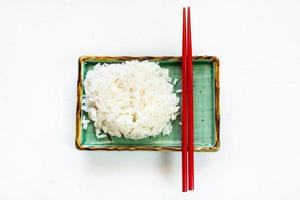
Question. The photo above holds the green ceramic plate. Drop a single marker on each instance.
(206, 108)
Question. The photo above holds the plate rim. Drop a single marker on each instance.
(78, 141)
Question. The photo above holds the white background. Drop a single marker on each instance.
(258, 43)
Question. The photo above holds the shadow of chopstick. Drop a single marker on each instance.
(166, 163)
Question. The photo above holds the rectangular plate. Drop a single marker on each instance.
(206, 108)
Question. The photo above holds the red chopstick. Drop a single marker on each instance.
(190, 103)
(184, 106)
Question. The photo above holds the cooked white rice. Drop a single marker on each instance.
(134, 99)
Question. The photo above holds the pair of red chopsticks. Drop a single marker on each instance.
(187, 106)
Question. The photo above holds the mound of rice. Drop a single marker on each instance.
(133, 99)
